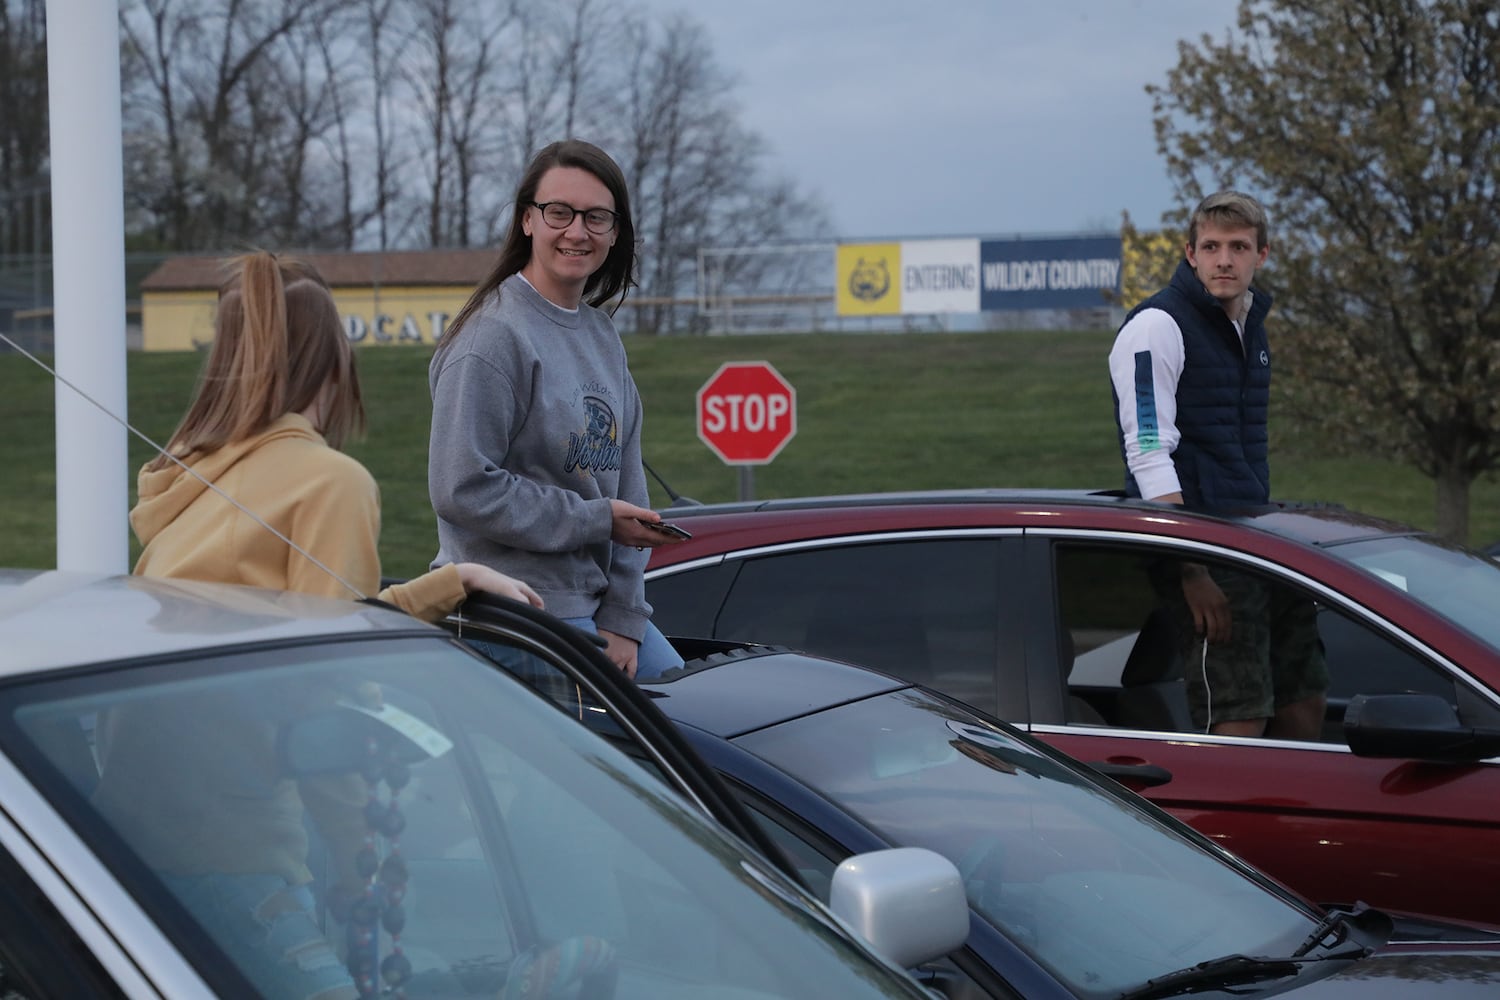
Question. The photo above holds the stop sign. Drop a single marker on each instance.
(747, 412)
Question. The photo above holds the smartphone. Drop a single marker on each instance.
(667, 528)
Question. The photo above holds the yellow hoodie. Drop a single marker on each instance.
(320, 498)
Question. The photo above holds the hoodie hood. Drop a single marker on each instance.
(163, 494)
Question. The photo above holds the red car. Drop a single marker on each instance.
(1037, 607)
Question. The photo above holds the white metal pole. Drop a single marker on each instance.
(88, 282)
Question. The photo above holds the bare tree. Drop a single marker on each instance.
(306, 98)
(694, 171)
(24, 219)
(380, 18)
(347, 122)
(155, 33)
(453, 74)
(340, 76)
(23, 92)
(205, 72)
(470, 129)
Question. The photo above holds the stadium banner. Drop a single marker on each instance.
(1065, 273)
(940, 276)
(914, 276)
(971, 275)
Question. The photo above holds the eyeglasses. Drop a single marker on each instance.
(560, 215)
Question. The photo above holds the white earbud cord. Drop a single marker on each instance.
(1208, 691)
(187, 468)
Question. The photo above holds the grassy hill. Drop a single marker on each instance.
(875, 412)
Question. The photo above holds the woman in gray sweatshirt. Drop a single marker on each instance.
(534, 466)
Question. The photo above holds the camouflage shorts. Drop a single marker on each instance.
(1273, 657)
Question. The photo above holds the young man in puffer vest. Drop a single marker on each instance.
(1191, 374)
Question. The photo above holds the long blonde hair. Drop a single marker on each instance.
(277, 343)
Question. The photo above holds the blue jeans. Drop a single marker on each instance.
(656, 655)
(266, 927)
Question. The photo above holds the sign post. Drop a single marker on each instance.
(746, 414)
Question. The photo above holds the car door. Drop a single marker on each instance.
(1404, 834)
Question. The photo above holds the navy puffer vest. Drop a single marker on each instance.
(1223, 396)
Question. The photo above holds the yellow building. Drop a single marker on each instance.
(404, 297)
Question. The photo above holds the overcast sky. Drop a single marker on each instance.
(913, 118)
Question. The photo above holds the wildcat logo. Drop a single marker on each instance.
(597, 449)
(869, 282)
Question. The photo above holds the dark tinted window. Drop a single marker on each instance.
(687, 603)
(922, 610)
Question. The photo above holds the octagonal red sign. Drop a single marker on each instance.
(747, 412)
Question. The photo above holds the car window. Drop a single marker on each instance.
(360, 807)
(1461, 585)
(1127, 657)
(687, 603)
(923, 610)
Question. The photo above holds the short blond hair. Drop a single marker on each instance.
(1232, 209)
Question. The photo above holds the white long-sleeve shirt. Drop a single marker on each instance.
(1148, 419)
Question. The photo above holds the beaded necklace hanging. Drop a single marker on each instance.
(380, 905)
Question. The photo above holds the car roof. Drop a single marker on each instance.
(51, 619)
(1312, 522)
(751, 687)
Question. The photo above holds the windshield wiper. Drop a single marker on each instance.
(1235, 970)
(1360, 917)
(1332, 921)
(1231, 970)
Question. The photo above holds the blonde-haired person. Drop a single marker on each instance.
(278, 396)
(196, 788)
(535, 459)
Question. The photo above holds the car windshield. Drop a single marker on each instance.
(1458, 584)
(1096, 889)
(355, 806)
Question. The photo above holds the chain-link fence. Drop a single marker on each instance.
(26, 304)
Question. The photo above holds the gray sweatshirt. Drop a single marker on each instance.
(536, 425)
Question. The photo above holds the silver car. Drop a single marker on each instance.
(208, 790)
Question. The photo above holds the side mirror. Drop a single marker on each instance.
(1417, 726)
(907, 902)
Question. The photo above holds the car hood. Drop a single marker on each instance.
(1430, 972)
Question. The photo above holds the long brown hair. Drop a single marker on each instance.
(277, 342)
(616, 277)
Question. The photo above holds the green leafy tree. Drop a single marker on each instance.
(1371, 128)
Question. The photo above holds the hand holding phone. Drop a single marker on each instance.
(667, 528)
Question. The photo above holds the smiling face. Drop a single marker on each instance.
(1225, 259)
(563, 259)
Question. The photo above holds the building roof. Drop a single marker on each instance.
(464, 268)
